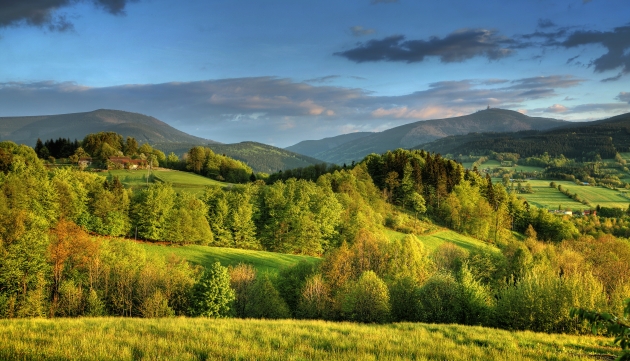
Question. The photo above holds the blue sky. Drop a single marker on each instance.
(280, 72)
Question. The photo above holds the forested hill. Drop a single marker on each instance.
(414, 134)
(604, 137)
(313, 148)
(262, 157)
(143, 128)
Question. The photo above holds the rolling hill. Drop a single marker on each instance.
(574, 140)
(144, 128)
(417, 133)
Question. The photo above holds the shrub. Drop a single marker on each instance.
(242, 278)
(156, 306)
(541, 301)
(438, 300)
(367, 300)
(291, 281)
(264, 301)
(212, 295)
(315, 301)
(403, 293)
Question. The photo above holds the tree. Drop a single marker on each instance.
(212, 295)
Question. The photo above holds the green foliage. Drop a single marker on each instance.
(212, 294)
(315, 300)
(220, 167)
(541, 301)
(290, 283)
(367, 300)
(265, 301)
(404, 299)
(615, 325)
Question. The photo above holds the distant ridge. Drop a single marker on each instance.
(421, 132)
(313, 148)
(605, 137)
(77, 125)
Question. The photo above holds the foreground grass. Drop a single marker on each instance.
(234, 339)
(206, 256)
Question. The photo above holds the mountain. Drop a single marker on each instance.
(421, 132)
(77, 125)
(313, 148)
(605, 137)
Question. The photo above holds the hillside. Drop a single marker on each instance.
(313, 148)
(144, 128)
(606, 137)
(260, 157)
(414, 134)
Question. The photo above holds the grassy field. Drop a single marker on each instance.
(180, 180)
(547, 196)
(435, 239)
(205, 256)
(236, 339)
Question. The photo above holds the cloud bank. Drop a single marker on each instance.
(458, 46)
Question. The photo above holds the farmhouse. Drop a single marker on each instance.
(125, 163)
(85, 161)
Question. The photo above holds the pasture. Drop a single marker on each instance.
(249, 339)
(181, 181)
(205, 256)
(546, 195)
(433, 240)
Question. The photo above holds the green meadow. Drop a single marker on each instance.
(433, 240)
(249, 339)
(181, 181)
(206, 256)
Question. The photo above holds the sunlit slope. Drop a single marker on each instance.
(205, 256)
(434, 239)
(181, 181)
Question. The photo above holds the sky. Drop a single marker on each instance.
(279, 72)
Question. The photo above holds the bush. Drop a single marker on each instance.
(265, 301)
(315, 301)
(438, 300)
(156, 306)
(242, 278)
(403, 293)
(212, 295)
(291, 281)
(367, 300)
(541, 301)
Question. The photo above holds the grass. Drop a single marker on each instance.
(236, 339)
(205, 256)
(181, 181)
(435, 239)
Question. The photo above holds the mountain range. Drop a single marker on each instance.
(605, 137)
(144, 128)
(421, 132)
